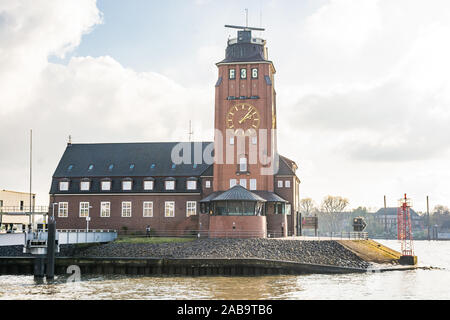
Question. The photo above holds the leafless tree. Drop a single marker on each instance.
(334, 204)
(307, 207)
(331, 207)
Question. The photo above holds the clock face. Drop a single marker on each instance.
(243, 116)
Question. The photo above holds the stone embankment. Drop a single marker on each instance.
(330, 253)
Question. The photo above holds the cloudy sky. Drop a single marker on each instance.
(362, 85)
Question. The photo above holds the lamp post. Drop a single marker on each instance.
(53, 210)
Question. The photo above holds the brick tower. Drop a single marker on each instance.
(245, 116)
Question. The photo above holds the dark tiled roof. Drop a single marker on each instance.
(122, 156)
(286, 167)
(238, 193)
(244, 52)
(211, 196)
(269, 196)
(209, 172)
(393, 212)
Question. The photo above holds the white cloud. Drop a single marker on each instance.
(29, 34)
(92, 99)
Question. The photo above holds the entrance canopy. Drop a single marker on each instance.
(238, 201)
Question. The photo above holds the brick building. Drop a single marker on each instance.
(237, 185)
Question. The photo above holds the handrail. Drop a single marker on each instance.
(24, 209)
(84, 230)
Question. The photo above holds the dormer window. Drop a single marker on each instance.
(149, 184)
(106, 185)
(85, 185)
(191, 184)
(127, 185)
(111, 167)
(132, 166)
(70, 167)
(90, 167)
(64, 186)
(169, 184)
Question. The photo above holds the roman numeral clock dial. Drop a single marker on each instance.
(243, 116)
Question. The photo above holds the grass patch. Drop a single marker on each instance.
(152, 240)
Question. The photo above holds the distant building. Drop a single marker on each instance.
(13, 209)
(388, 217)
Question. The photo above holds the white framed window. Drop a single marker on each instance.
(63, 209)
(63, 185)
(232, 141)
(232, 74)
(288, 209)
(252, 184)
(254, 140)
(243, 164)
(170, 185)
(148, 209)
(191, 185)
(106, 185)
(148, 184)
(169, 209)
(84, 209)
(126, 209)
(243, 183)
(105, 209)
(233, 182)
(280, 184)
(243, 73)
(85, 185)
(127, 185)
(287, 184)
(191, 208)
(255, 73)
(208, 184)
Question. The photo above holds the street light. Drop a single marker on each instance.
(53, 211)
(88, 218)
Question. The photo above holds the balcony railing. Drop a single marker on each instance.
(24, 209)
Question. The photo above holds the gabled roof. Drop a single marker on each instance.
(238, 193)
(127, 159)
(287, 167)
(394, 211)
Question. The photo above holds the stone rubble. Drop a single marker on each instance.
(313, 252)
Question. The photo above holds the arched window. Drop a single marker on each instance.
(243, 167)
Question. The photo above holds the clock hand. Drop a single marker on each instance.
(247, 116)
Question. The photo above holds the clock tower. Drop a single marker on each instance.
(245, 116)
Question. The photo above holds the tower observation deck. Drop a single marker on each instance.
(245, 47)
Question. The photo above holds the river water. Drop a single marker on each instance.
(432, 284)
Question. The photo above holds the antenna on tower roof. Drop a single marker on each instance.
(246, 17)
(191, 133)
(246, 28)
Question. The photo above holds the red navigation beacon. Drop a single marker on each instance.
(404, 232)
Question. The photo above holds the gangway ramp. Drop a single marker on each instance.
(62, 237)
